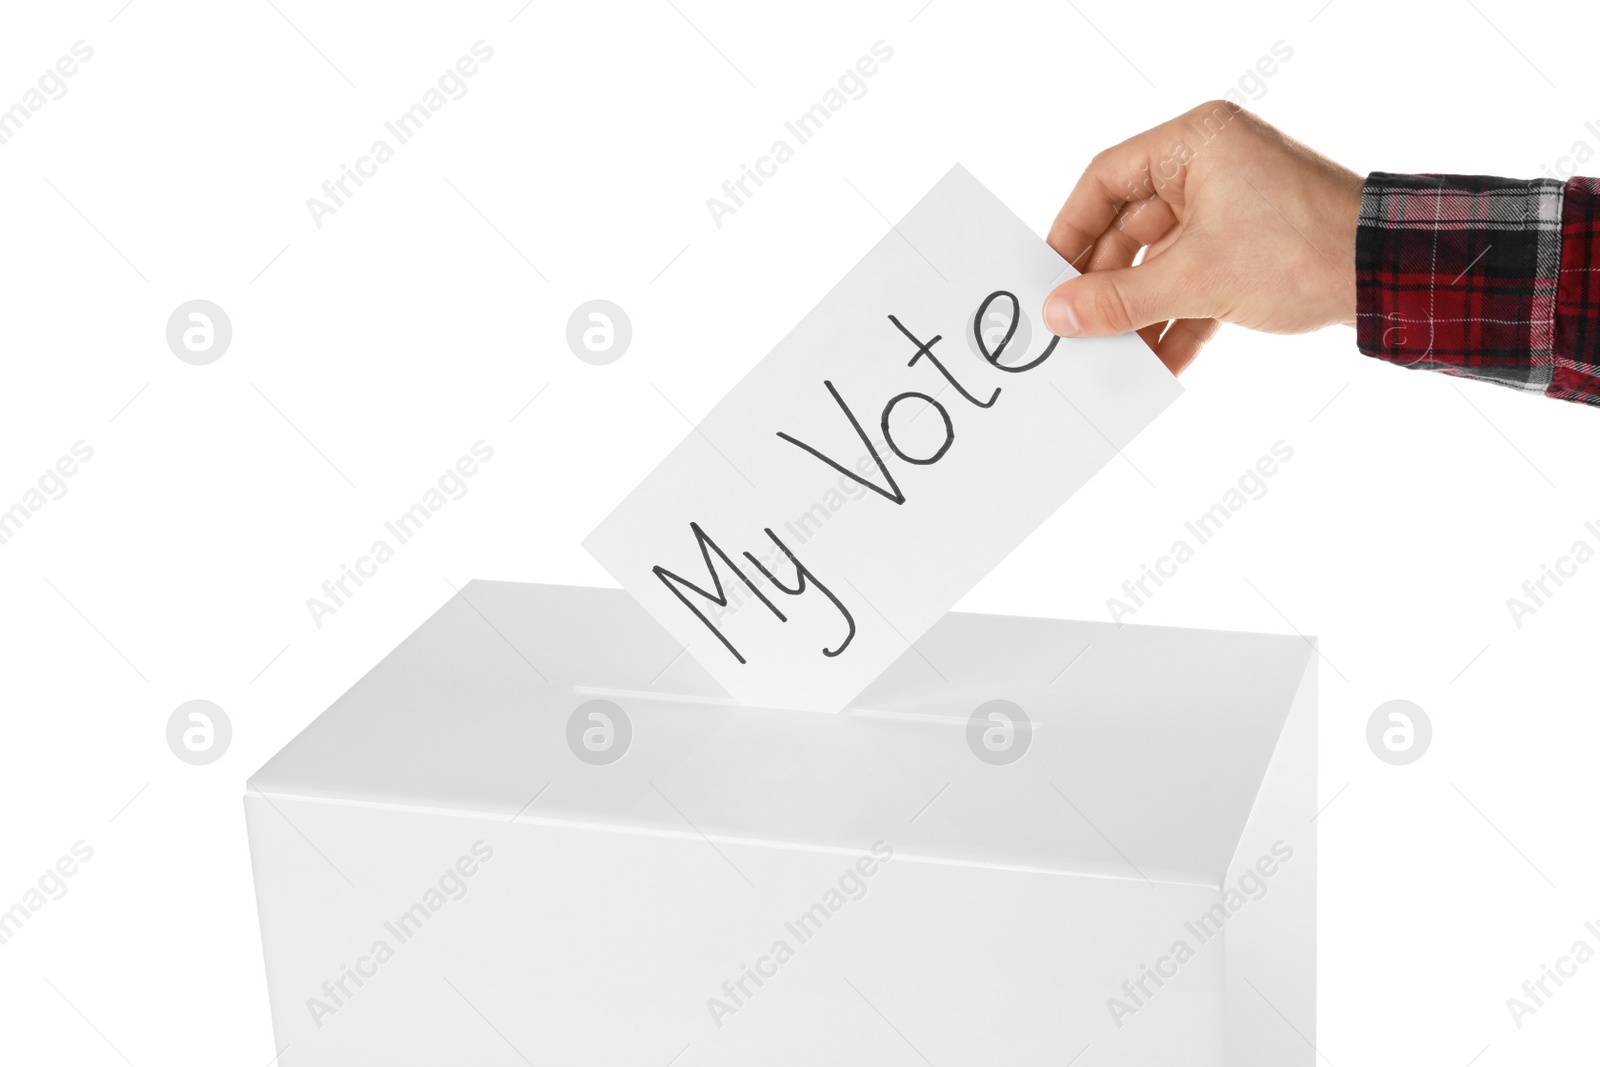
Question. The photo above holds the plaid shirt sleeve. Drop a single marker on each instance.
(1487, 278)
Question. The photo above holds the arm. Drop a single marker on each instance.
(1482, 277)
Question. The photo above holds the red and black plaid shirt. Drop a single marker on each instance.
(1486, 278)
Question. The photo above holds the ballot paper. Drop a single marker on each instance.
(892, 449)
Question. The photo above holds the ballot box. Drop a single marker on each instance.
(539, 833)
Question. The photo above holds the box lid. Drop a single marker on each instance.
(1148, 744)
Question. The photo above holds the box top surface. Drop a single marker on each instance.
(1148, 744)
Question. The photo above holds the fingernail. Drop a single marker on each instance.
(1058, 315)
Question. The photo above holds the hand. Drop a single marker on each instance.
(1238, 222)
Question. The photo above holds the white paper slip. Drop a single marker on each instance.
(885, 456)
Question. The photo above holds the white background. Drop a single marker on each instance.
(374, 351)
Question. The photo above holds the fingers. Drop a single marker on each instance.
(1183, 341)
(1137, 226)
(1133, 196)
(1147, 221)
(1117, 301)
(1135, 171)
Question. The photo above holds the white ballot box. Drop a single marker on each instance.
(538, 833)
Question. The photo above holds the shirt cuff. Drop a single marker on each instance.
(1459, 273)
(1577, 364)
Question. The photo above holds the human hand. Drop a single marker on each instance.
(1238, 222)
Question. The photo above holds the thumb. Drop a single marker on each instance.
(1106, 302)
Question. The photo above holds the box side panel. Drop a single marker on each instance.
(568, 945)
(1270, 905)
(309, 910)
(269, 860)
